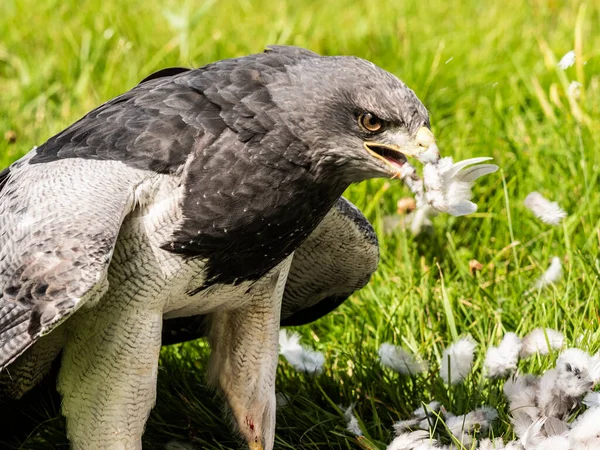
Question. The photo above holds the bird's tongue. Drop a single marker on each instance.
(395, 162)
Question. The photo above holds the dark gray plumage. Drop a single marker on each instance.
(337, 259)
(187, 196)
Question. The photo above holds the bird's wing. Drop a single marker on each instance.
(59, 222)
(337, 259)
(195, 124)
(61, 207)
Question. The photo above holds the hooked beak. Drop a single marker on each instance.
(423, 148)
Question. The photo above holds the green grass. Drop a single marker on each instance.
(487, 73)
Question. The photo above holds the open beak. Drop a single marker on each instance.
(424, 149)
(389, 154)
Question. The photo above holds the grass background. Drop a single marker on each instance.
(487, 73)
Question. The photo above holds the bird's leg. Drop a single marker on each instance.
(108, 373)
(244, 356)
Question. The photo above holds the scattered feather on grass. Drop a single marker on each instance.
(592, 400)
(521, 392)
(533, 435)
(560, 389)
(427, 410)
(413, 440)
(421, 419)
(352, 422)
(574, 364)
(545, 210)
(281, 400)
(552, 275)
(585, 431)
(405, 425)
(463, 426)
(541, 407)
(567, 60)
(574, 90)
(595, 368)
(488, 444)
(554, 443)
(420, 219)
(541, 340)
(302, 359)
(457, 360)
(502, 360)
(400, 360)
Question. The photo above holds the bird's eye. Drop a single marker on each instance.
(370, 122)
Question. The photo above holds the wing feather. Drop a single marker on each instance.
(336, 260)
(59, 223)
(62, 206)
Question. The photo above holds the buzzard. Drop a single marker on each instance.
(207, 196)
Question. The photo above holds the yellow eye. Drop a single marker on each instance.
(370, 122)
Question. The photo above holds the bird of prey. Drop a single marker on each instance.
(188, 196)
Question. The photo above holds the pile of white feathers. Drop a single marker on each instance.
(557, 410)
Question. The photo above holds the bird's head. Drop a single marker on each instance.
(355, 118)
